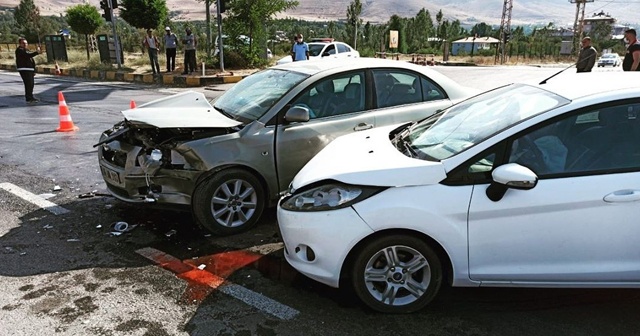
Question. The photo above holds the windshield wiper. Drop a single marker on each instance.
(224, 113)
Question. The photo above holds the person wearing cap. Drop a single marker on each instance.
(170, 47)
(190, 44)
(151, 43)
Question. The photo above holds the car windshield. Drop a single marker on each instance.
(608, 56)
(253, 96)
(472, 121)
(315, 49)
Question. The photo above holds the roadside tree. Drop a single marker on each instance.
(353, 21)
(84, 19)
(27, 16)
(147, 14)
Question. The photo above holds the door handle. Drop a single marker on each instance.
(622, 196)
(362, 126)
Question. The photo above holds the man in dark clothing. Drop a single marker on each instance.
(26, 66)
(631, 60)
(587, 57)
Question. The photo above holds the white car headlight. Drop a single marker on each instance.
(328, 196)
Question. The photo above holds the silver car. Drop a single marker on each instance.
(230, 160)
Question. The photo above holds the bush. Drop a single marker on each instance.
(233, 60)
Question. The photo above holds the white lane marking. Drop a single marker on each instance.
(35, 199)
(259, 301)
(256, 300)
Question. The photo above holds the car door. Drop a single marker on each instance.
(403, 95)
(337, 106)
(343, 50)
(580, 222)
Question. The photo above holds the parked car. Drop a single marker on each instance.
(326, 50)
(229, 160)
(522, 186)
(609, 59)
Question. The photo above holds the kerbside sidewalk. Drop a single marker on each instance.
(163, 79)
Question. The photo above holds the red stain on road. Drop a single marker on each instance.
(201, 282)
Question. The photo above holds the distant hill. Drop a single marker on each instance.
(524, 12)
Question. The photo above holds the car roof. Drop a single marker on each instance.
(577, 85)
(313, 67)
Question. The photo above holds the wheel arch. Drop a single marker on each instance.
(442, 254)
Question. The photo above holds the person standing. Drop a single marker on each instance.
(190, 44)
(587, 57)
(300, 49)
(151, 43)
(631, 60)
(26, 66)
(170, 47)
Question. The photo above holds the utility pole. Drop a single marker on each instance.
(208, 11)
(505, 31)
(578, 23)
(220, 9)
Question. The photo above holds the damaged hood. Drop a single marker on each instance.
(184, 110)
(368, 158)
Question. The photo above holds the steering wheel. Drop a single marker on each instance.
(530, 155)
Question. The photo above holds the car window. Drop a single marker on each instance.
(342, 48)
(329, 50)
(315, 49)
(396, 87)
(333, 96)
(597, 140)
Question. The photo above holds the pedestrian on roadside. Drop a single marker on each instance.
(631, 60)
(299, 49)
(190, 44)
(170, 47)
(587, 57)
(26, 66)
(151, 43)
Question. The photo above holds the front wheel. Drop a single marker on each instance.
(397, 274)
(229, 202)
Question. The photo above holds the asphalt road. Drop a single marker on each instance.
(66, 274)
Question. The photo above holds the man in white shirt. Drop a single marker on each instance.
(170, 47)
(151, 43)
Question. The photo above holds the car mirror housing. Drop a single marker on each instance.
(297, 114)
(510, 175)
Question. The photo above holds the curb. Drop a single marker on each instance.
(161, 79)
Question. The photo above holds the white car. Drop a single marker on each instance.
(521, 186)
(326, 50)
(609, 59)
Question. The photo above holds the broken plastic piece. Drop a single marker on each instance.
(202, 266)
(123, 227)
(108, 206)
(86, 195)
(73, 240)
(48, 226)
(57, 188)
(171, 233)
(115, 233)
(98, 226)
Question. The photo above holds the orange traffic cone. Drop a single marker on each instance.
(66, 124)
(132, 104)
(58, 72)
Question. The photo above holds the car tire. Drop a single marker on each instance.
(396, 287)
(229, 202)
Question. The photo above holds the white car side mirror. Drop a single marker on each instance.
(510, 175)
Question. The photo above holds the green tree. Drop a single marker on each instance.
(147, 14)
(249, 17)
(423, 29)
(27, 15)
(601, 36)
(84, 19)
(353, 18)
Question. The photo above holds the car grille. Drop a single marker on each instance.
(118, 158)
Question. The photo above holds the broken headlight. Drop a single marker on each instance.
(328, 196)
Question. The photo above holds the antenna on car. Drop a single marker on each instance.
(559, 72)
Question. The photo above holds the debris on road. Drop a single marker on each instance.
(57, 188)
(123, 227)
(171, 233)
(46, 196)
(202, 266)
(98, 226)
(73, 240)
(48, 226)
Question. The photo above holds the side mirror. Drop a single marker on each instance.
(297, 114)
(325, 54)
(510, 175)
